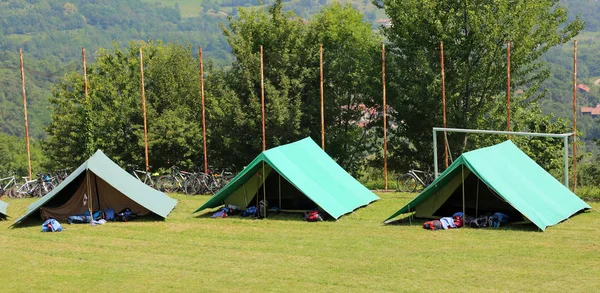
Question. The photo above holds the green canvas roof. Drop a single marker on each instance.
(309, 169)
(509, 174)
(117, 182)
(3, 207)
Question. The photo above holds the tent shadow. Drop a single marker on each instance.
(280, 216)
(34, 222)
(418, 222)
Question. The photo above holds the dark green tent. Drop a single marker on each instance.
(298, 176)
(3, 207)
(500, 178)
(101, 184)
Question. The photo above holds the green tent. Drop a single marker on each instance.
(99, 184)
(298, 176)
(500, 178)
(3, 207)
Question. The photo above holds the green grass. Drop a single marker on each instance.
(286, 254)
(188, 8)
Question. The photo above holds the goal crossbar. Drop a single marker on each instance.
(564, 136)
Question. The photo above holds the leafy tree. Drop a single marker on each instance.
(291, 61)
(115, 110)
(474, 34)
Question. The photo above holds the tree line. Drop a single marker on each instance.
(474, 36)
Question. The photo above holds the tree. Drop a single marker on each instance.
(291, 62)
(474, 33)
(115, 110)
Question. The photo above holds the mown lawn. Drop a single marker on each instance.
(285, 254)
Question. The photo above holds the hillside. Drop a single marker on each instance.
(52, 32)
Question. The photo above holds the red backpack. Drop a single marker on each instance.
(312, 216)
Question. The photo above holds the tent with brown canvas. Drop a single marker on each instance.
(99, 184)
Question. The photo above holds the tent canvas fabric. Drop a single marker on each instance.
(298, 176)
(3, 206)
(500, 178)
(101, 183)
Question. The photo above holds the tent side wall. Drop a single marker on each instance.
(438, 197)
(3, 208)
(242, 197)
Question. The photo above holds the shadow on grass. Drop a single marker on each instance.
(418, 222)
(36, 222)
(272, 216)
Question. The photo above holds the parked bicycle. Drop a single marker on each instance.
(414, 180)
(6, 185)
(202, 183)
(60, 175)
(175, 181)
(141, 175)
(36, 187)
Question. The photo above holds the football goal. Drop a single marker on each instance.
(564, 136)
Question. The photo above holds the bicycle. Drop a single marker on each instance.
(175, 181)
(146, 177)
(36, 187)
(60, 175)
(411, 180)
(7, 188)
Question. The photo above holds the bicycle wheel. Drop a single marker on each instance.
(191, 186)
(14, 192)
(47, 188)
(406, 183)
(166, 183)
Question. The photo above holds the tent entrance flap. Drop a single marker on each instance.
(479, 199)
(282, 194)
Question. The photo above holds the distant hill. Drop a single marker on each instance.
(52, 32)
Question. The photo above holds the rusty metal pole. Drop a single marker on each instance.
(508, 88)
(85, 80)
(144, 109)
(262, 100)
(25, 114)
(322, 102)
(203, 112)
(385, 171)
(444, 103)
(574, 115)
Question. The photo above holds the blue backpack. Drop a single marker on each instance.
(51, 225)
(249, 212)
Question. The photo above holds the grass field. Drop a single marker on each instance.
(285, 254)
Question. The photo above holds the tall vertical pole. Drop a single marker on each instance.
(566, 160)
(508, 88)
(262, 100)
(444, 103)
(88, 139)
(25, 113)
(322, 102)
(203, 111)
(574, 115)
(385, 172)
(144, 109)
(85, 79)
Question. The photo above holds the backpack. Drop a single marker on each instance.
(499, 219)
(51, 225)
(221, 213)
(312, 216)
(125, 215)
(109, 214)
(249, 212)
(98, 215)
(433, 225)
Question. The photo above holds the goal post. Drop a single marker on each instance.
(564, 136)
